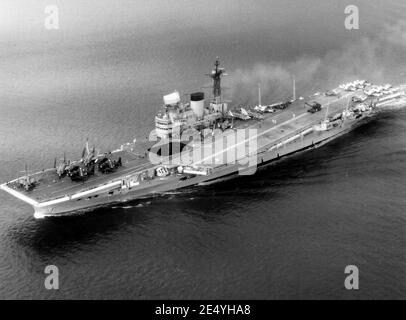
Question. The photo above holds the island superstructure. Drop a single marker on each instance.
(178, 116)
(184, 149)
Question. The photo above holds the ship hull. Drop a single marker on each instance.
(315, 140)
(278, 135)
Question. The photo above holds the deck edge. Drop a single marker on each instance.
(19, 195)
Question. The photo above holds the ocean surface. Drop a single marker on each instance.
(287, 232)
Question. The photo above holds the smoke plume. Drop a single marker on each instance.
(379, 59)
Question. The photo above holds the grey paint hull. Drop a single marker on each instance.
(150, 188)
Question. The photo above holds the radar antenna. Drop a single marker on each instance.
(216, 75)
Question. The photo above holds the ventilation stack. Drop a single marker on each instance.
(197, 104)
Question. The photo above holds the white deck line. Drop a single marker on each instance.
(109, 185)
(48, 203)
(19, 195)
(386, 102)
(78, 195)
(34, 203)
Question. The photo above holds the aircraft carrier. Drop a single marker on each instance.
(202, 141)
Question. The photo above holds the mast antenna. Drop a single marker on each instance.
(216, 75)
(259, 95)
